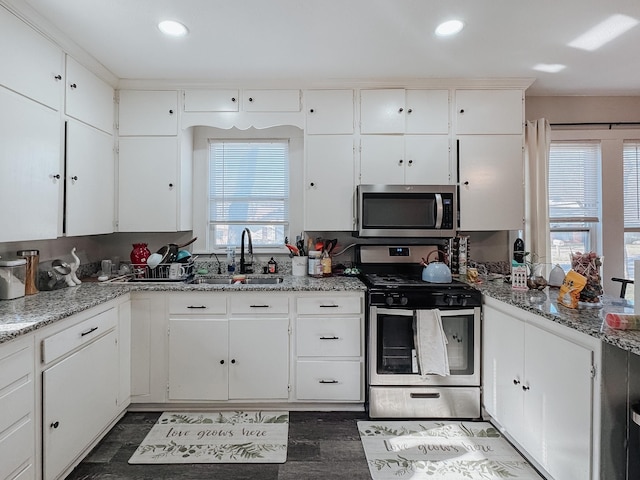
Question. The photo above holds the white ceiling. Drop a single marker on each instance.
(311, 41)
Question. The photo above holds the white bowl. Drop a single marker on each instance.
(154, 260)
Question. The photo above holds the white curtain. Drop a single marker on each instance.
(536, 235)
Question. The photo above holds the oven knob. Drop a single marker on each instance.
(448, 299)
(404, 300)
(389, 301)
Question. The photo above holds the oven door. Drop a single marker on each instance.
(392, 354)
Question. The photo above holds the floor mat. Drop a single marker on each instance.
(216, 437)
(440, 450)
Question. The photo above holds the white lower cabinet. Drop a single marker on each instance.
(329, 348)
(539, 386)
(17, 404)
(242, 355)
(80, 386)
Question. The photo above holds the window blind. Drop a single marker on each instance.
(248, 187)
(574, 182)
(631, 166)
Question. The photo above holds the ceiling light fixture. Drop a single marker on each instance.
(549, 67)
(450, 27)
(604, 32)
(172, 28)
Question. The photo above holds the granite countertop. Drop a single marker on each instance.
(26, 314)
(588, 320)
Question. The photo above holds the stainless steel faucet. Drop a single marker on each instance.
(246, 267)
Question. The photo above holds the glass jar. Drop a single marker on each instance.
(315, 265)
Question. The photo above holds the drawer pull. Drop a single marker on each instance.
(259, 306)
(328, 381)
(196, 306)
(91, 330)
(330, 338)
(333, 305)
(425, 395)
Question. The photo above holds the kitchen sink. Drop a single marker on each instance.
(229, 281)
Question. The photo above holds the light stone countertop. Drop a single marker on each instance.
(586, 320)
(26, 314)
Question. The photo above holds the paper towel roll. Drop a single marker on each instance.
(636, 287)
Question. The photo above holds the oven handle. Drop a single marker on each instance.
(410, 313)
(425, 395)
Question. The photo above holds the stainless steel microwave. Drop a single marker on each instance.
(406, 211)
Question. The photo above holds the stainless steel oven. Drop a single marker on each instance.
(395, 296)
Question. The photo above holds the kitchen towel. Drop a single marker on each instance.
(430, 342)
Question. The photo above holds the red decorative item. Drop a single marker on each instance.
(139, 255)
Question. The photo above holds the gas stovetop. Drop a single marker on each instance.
(400, 280)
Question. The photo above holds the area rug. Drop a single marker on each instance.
(440, 450)
(218, 437)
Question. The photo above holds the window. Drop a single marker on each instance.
(248, 187)
(574, 199)
(631, 186)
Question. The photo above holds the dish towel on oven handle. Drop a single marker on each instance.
(430, 342)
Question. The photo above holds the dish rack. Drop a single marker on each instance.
(144, 273)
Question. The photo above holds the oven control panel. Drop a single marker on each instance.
(420, 299)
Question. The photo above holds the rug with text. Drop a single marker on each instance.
(440, 450)
(218, 437)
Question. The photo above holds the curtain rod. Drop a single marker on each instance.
(611, 124)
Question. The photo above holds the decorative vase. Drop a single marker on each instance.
(138, 257)
(536, 280)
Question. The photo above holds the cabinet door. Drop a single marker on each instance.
(503, 368)
(90, 181)
(271, 100)
(198, 358)
(79, 397)
(558, 405)
(259, 358)
(427, 159)
(211, 100)
(427, 111)
(329, 111)
(88, 98)
(148, 184)
(30, 169)
(124, 353)
(148, 112)
(491, 182)
(489, 112)
(382, 111)
(329, 185)
(382, 159)
(38, 74)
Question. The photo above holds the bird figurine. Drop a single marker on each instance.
(73, 277)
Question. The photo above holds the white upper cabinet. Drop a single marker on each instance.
(90, 181)
(38, 74)
(489, 112)
(144, 112)
(329, 112)
(211, 100)
(271, 100)
(88, 97)
(31, 172)
(404, 111)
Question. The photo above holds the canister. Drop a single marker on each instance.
(315, 267)
(32, 257)
(12, 278)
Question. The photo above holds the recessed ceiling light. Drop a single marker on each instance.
(549, 67)
(604, 32)
(450, 27)
(173, 28)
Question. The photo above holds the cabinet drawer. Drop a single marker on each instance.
(329, 305)
(16, 450)
(201, 303)
(328, 337)
(73, 337)
(261, 303)
(326, 380)
(16, 388)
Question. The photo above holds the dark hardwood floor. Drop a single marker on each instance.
(322, 446)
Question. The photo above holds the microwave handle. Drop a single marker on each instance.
(439, 211)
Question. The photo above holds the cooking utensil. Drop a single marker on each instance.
(295, 251)
(329, 245)
(435, 272)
